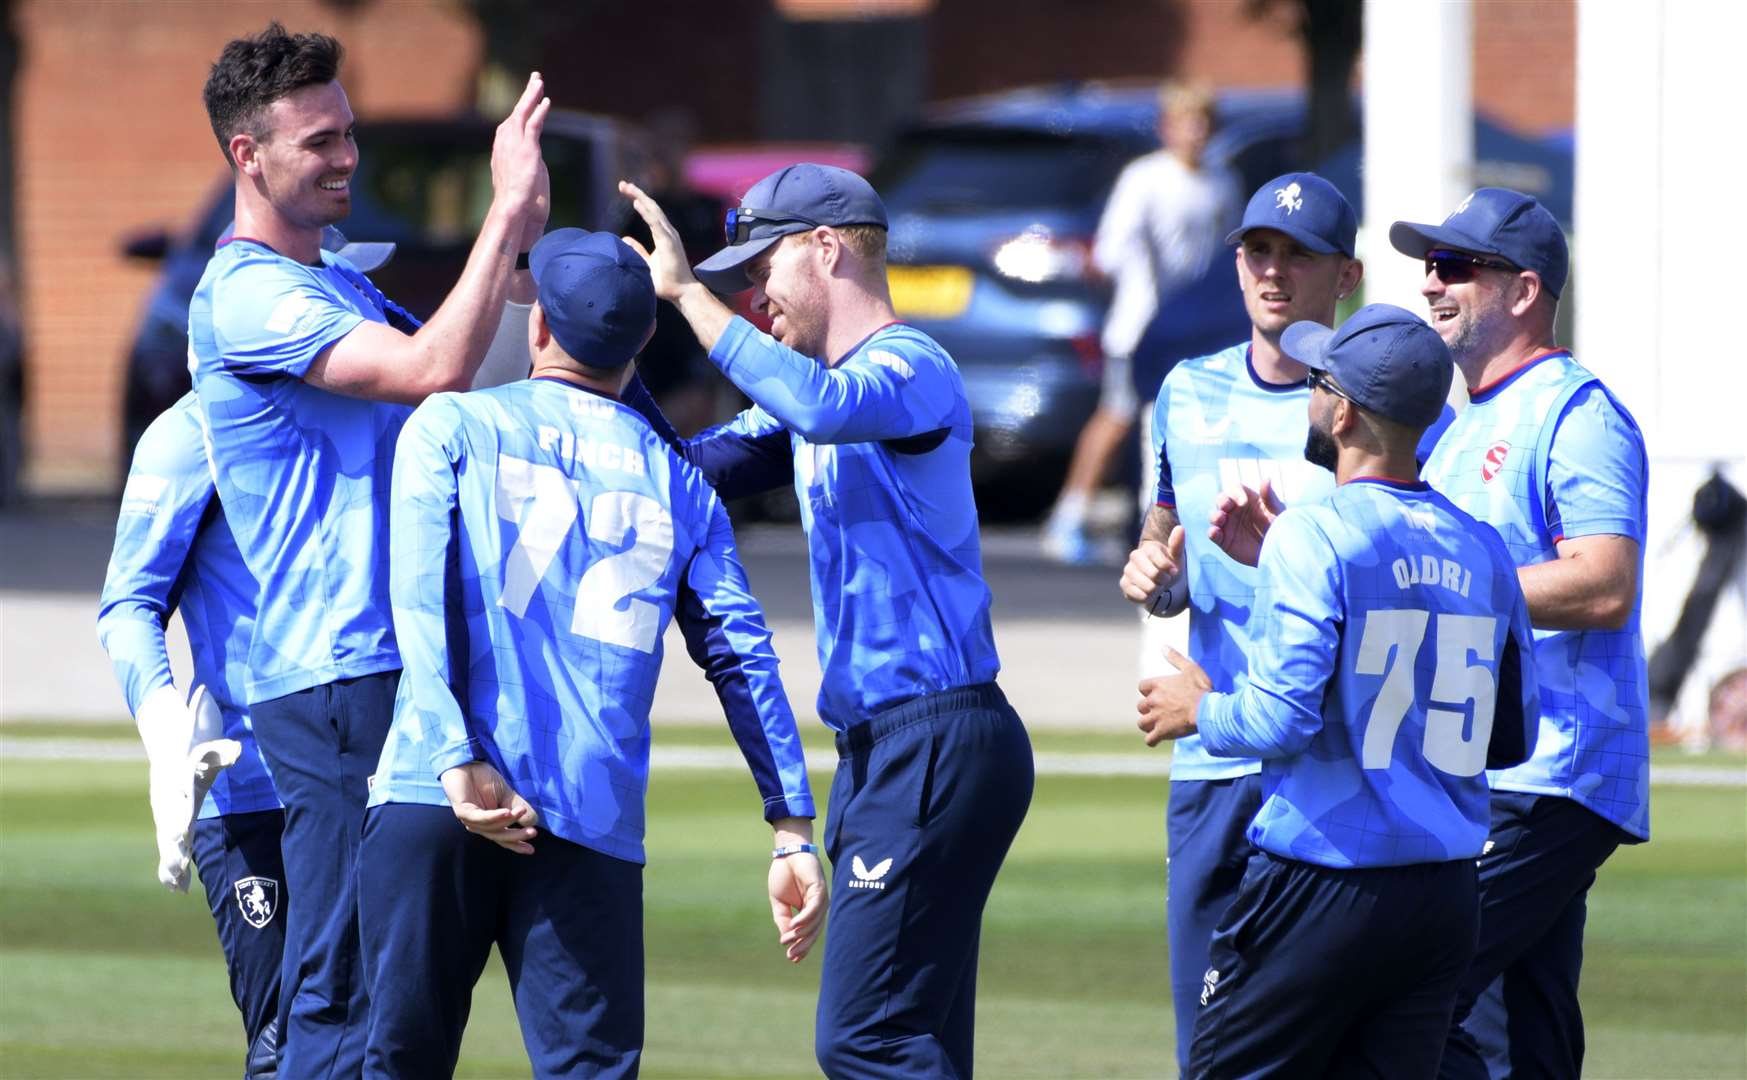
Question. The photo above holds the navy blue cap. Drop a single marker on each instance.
(1305, 207)
(1495, 221)
(1385, 358)
(596, 294)
(813, 194)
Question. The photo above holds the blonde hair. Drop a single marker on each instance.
(1179, 96)
(865, 242)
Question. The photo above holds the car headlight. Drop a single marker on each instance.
(1037, 255)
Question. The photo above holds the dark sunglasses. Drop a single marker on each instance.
(1317, 377)
(740, 220)
(1457, 267)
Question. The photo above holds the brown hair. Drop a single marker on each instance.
(254, 72)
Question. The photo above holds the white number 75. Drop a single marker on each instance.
(1388, 647)
(543, 501)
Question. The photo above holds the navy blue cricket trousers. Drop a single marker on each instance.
(1323, 972)
(1205, 826)
(243, 874)
(322, 745)
(567, 920)
(926, 801)
(1517, 1012)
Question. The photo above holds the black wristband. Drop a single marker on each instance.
(522, 261)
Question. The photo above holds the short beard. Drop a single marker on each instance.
(1320, 449)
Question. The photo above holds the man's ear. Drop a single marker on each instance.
(246, 153)
(1345, 417)
(539, 333)
(1351, 274)
(830, 248)
(1528, 289)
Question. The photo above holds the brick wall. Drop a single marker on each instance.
(112, 137)
(1525, 62)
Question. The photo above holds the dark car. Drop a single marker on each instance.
(423, 185)
(994, 202)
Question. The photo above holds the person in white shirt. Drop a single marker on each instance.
(1164, 224)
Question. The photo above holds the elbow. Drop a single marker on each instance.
(1609, 608)
(1613, 611)
(443, 375)
(435, 371)
(814, 425)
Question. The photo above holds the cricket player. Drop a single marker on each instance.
(1392, 664)
(1222, 422)
(868, 419)
(1549, 457)
(543, 537)
(174, 551)
(303, 373)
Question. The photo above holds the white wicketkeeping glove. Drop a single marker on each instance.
(211, 753)
(182, 770)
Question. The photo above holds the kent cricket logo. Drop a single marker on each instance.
(1494, 461)
(868, 879)
(1289, 198)
(257, 899)
(1209, 983)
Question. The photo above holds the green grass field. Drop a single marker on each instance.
(104, 974)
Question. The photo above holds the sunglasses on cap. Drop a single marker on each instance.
(1457, 267)
(740, 220)
(1317, 377)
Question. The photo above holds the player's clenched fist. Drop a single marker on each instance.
(1154, 575)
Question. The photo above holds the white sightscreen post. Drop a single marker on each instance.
(1622, 159)
(1419, 131)
(1655, 283)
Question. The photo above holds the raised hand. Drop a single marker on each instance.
(518, 172)
(667, 262)
(1240, 521)
(486, 804)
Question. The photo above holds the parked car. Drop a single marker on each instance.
(993, 204)
(423, 185)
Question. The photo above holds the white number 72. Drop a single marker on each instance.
(1388, 647)
(543, 501)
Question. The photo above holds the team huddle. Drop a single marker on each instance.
(426, 571)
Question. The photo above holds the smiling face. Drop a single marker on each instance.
(1473, 317)
(788, 286)
(1284, 282)
(306, 160)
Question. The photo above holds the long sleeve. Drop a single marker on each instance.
(888, 389)
(726, 635)
(167, 494)
(1298, 609)
(752, 453)
(421, 529)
